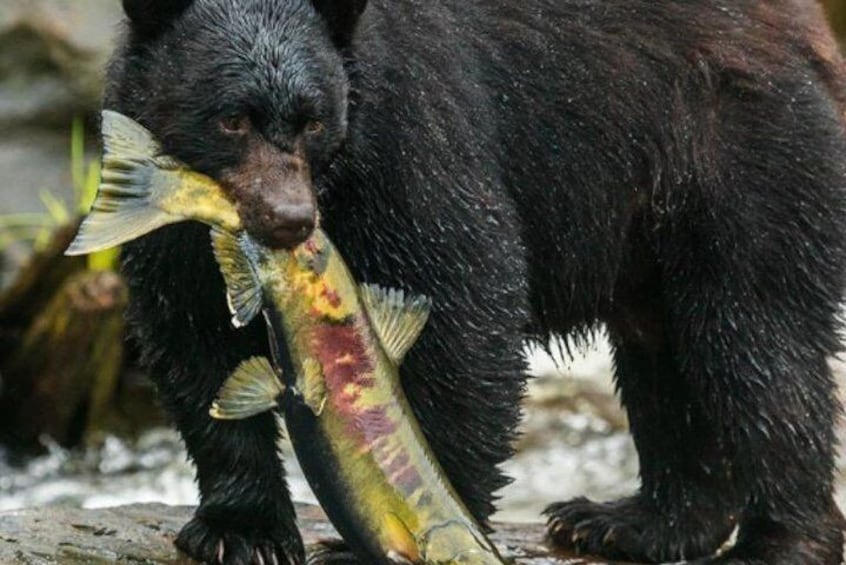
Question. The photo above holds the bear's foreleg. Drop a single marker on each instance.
(179, 318)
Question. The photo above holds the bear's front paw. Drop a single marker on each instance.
(627, 530)
(226, 545)
(332, 552)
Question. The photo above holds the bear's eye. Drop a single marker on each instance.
(314, 127)
(235, 125)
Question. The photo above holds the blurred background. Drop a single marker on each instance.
(79, 422)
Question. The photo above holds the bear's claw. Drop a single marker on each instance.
(223, 546)
(626, 530)
(332, 552)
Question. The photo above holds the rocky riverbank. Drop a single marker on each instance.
(145, 534)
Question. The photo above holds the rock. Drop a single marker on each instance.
(145, 534)
(52, 55)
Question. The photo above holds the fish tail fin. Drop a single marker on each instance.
(243, 289)
(124, 208)
(253, 388)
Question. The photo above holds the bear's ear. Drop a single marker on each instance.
(150, 16)
(341, 17)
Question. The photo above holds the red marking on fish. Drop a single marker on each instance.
(343, 352)
(397, 464)
(375, 423)
(344, 356)
(408, 480)
(350, 395)
(331, 296)
(402, 474)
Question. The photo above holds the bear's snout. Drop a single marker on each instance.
(285, 225)
(275, 198)
(281, 218)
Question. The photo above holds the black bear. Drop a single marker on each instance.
(675, 169)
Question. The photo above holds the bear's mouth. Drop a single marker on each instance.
(288, 237)
(280, 226)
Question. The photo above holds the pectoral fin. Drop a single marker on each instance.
(396, 318)
(253, 388)
(124, 208)
(243, 289)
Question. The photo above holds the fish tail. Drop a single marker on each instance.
(124, 208)
(253, 388)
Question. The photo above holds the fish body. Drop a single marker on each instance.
(349, 421)
(336, 351)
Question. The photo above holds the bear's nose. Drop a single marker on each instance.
(287, 225)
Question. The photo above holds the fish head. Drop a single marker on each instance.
(252, 94)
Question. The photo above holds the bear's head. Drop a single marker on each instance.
(253, 93)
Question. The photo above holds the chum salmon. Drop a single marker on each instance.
(336, 347)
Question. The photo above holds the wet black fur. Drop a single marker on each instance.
(673, 168)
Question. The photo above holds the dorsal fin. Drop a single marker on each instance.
(396, 318)
(243, 288)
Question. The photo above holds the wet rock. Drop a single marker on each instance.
(145, 534)
(52, 55)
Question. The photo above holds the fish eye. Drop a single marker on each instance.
(314, 127)
(236, 124)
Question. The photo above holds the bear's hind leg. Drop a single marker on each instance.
(733, 419)
(682, 510)
(733, 407)
(768, 543)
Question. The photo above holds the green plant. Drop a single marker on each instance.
(38, 227)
